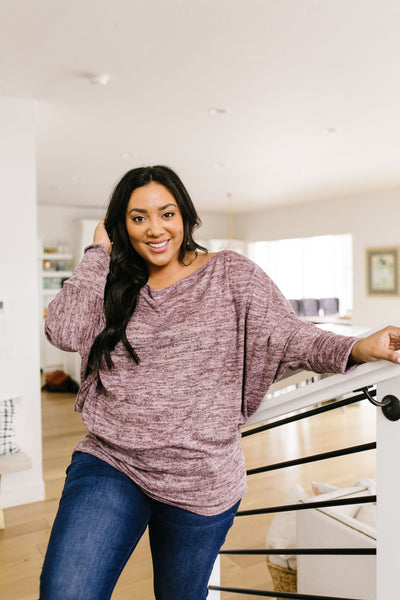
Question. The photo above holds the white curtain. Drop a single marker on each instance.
(316, 267)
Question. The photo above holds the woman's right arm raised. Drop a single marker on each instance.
(76, 315)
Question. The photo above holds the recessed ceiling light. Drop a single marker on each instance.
(126, 155)
(99, 78)
(219, 165)
(74, 178)
(217, 111)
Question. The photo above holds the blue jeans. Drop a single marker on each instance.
(102, 516)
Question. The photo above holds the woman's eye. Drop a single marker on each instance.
(138, 219)
(168, 215)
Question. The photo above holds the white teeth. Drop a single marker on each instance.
(160, 245)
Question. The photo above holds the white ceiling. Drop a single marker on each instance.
(311, 89)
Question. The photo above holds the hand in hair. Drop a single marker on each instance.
(101, 236)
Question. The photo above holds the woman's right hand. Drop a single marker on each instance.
(101, 236)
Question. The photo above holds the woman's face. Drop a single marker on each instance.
(154, 224)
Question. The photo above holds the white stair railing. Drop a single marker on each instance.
(386, 377)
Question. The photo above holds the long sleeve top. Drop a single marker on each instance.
(210, 345)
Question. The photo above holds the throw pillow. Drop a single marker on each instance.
(8, 441)
(367, 514)
(282, 532)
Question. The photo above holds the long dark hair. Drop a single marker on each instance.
(128, 270)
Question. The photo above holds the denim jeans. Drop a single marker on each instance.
(101, 517)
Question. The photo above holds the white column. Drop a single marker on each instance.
(388, 493)
(19, 319)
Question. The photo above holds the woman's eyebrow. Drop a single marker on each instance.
(144, 211)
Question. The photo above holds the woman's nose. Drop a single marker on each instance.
(155, 228)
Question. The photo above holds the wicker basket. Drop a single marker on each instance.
(284, 580)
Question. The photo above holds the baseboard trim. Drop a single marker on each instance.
(22, 494)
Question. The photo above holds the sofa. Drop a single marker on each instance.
(338, 526)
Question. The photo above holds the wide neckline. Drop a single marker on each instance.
(155, 291)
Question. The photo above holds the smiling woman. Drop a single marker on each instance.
(178, 349)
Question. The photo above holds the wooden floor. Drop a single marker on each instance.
(23, 542)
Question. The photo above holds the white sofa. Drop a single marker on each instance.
(339, 526)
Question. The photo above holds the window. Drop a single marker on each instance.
(315, 267)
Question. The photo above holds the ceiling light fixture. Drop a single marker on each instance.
(217, 111)
(99, 78)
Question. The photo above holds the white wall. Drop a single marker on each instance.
(19, 324)
(373, 219)
(60, 223)
(214, 226)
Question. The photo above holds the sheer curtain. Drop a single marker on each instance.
(315, 267)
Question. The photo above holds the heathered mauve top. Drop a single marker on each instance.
(210, 346)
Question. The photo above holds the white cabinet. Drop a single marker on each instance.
(54, 268)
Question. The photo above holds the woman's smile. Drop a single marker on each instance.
(158, 246)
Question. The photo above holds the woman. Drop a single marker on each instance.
(178, 349)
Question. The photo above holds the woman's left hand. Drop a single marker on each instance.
(382, 344)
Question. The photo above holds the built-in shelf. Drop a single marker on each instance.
(54, 268)
(51, 273)
(54, 256)
(50, 291)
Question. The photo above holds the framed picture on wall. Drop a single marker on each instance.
(383, 271)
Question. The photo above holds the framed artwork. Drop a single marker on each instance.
(383, 271)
